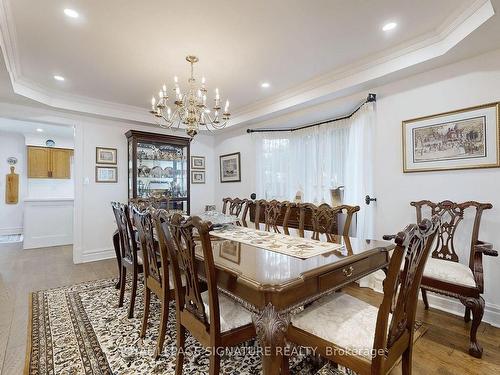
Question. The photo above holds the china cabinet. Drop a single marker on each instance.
(158, 166)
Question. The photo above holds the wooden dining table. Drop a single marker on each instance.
(273, 285)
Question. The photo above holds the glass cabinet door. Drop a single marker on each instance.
(158, 167)
(162, 170)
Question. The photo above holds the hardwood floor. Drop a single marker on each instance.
(23, 271)
(442, 349)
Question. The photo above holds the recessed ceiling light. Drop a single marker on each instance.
(59, 78)
(39, 130)
(265, 85)
(389, 26)
(71, 13)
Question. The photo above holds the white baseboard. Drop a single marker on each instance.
(455, 307)
(95, 255)
(6, 231)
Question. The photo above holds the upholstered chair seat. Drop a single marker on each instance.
(452, 272)
(232, 314)
(366, 339)
(342, 319)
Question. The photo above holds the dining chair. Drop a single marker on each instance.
(357, 335)
(212, 318)
(130, 259)
(272, 211)
(235, 207)
(444, 274)
(157, 278)
(325, 219)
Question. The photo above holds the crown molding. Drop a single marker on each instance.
(334, 84)
(341, 81)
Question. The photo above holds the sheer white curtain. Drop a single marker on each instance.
(310, 160)
(320, 158)
(359, 164)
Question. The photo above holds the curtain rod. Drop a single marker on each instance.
(371, 98)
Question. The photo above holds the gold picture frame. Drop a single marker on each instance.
(106, 175)
(467, 138)
(197, 177)
(106, 155)
(198, 162)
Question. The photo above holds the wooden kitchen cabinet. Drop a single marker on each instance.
(45, 162)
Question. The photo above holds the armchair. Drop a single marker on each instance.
(444, 274)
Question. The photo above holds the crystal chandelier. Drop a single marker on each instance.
(190, 108)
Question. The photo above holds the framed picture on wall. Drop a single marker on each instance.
(104, 155)
(197, 177)
(463, 139)
(106, 174)
(197, 162)
(230, 167)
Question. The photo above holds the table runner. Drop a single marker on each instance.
(298, 247)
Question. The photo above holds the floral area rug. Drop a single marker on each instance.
(80, 330)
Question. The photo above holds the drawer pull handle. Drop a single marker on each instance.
(348, 272)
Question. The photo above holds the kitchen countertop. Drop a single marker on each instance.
(52, 199)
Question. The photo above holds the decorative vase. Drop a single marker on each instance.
(337, 195)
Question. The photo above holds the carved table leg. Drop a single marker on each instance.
(271, 327)
(476, 305)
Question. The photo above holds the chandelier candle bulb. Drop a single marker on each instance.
(227, 106)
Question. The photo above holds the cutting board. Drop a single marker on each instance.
(12, 187)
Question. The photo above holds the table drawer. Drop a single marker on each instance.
(350, 272)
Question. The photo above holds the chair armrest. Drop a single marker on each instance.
(485, 248)
(389, 237)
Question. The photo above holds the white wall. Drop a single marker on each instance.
(11, 215)
(94, 220)
(467, 83)
(227, 143)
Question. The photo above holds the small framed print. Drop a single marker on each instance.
(231, 251)
(197, 162)
(230, 167)
(104, 155)
(197, 177)
(106, 174)
(463, 139)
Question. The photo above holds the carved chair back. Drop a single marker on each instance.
(271, 211)
(236, 207)
(155, 260)
(394, 333)
(451, 215)
(128, 245)
(324, 219)
(180, 237)
(232, 206)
